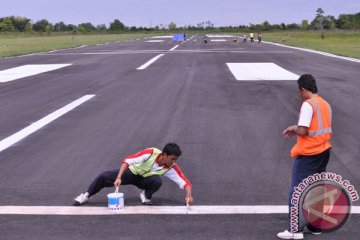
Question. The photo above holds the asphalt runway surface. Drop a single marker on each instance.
(229, 132)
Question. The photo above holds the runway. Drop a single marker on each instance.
(145, 94)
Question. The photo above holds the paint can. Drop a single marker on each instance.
(115, 201)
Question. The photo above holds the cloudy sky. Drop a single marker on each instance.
(149, 13)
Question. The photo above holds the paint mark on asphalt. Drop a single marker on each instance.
(153, 41)
(142, 67)
(172, 49)
(260, 71)
(16, 137)
(28, 70)
(194, 210)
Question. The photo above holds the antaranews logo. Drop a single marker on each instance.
(323, 200)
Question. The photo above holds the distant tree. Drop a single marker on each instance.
(86, 27)
(6, 25)
(101, 28)
(133, 29)
(20, 23)
(283, 26)
(117, 26)
(345, 21)
(265, 26)
(28, 27)
(292, 26)
(60, 27)
(41, 26)
(318, 22)
(304, 24)
(172, 26)
(71, 27)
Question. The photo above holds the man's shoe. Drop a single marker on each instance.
(143, 198)
(307, 230)
(81, 199)
(288, 235)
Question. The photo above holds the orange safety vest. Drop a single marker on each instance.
(319, 131)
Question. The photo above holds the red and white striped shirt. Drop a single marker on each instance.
(174, 173)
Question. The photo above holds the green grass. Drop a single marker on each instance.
(343, 43)
(19, 44)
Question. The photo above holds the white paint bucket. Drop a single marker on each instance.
(115, 201)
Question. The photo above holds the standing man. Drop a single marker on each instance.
(251, 37)
(259, 37)
(312, 149)
(143, 169)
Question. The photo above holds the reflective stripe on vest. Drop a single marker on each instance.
(321, 130)
(144, 169)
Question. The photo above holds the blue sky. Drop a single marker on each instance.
(148, 13)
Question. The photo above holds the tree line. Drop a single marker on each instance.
(320, 22)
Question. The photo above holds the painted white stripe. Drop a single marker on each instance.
(142, 67)
(172, 49)
(28, 70)
(218, 40)
(219, 36)
(162, 36)
(195, 210)
(151, 41)
(317, 52)
(16, 137)
(260, 71)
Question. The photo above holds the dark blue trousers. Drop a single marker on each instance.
(106, 179)
(305, 166)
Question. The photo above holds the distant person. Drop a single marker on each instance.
(245, 38)
(259, 37)
(312, 149)
(251, 37)
(143, 170)
(205, 39)
(322, 36)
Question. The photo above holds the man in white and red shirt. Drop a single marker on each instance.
(143, 169)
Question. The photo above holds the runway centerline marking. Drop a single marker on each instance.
(260, 71)
(142, 67)
(154, 41)
(152, 210)
(172, 49)
(28, 70)
(16, 137)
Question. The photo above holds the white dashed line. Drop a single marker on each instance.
(142, 67)
(16, 137)
(172, 49)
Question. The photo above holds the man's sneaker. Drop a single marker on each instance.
(143, 198)
(307, 230)
(81, 199)
(288, 235)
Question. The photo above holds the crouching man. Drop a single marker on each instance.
(143, 169)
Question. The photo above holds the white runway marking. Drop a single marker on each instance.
(152, 41)
(260, 71)
(317, 52)
(179, 210)
(142, 67)
(28, 70)
(219, 36)
(162, 36)
(16, 137)
(218, 40)
(172, 49)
